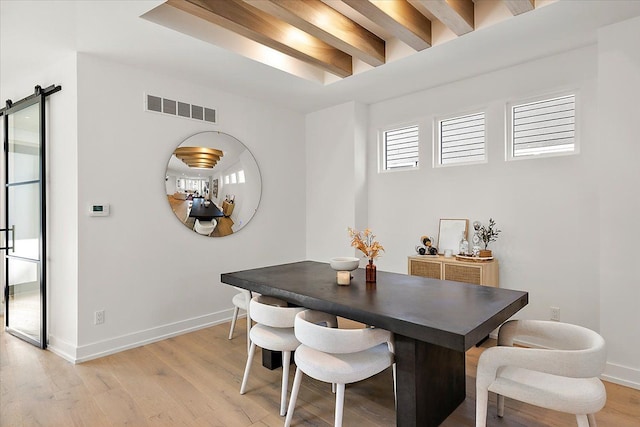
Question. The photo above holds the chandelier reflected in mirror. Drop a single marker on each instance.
(198, 157)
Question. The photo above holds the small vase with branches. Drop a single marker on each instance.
(488, 234)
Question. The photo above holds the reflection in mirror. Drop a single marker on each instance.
(213, 184)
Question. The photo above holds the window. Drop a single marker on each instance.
(400, 148)
(241, 176)
(226, 179)
(461, 139)
(542, 127)
(233, 178)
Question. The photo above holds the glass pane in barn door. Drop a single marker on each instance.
(24, 286)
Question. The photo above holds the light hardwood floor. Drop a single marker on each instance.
(194, 380)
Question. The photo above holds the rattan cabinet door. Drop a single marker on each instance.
(441, 268)
(463, 273)
(426, 269)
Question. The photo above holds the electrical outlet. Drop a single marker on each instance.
(555, 313)
(98, 317)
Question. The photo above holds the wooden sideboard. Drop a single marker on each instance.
(227, 208)
(438, 267)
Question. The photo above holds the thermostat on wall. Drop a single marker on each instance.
(99, 209)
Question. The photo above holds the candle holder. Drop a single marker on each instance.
(343, 278)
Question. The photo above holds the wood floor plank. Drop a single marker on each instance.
(82, 411)
(179, 388)
(156, 404)
(205, 375)
(194, 380)
(97, 376)
(120, 408)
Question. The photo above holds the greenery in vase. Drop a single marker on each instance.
(488, 234)
(365, 242)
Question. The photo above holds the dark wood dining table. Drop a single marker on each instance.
(200, 211)
(434, 322)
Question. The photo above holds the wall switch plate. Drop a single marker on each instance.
(555, 313)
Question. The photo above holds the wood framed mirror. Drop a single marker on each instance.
(450, 233)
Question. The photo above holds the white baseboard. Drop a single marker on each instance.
(62, 348)
(125, 342)
(623, 375)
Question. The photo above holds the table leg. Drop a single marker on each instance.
(271, 359)
(430, 382)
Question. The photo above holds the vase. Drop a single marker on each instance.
(371, 271)
(484, 253)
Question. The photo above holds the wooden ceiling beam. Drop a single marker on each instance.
(519, 6)
(325, 23)
(457, 15)
(246, 20)
(399, 17)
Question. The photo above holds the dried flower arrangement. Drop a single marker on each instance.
(364, 242)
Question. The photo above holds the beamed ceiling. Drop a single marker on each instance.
(336, 35)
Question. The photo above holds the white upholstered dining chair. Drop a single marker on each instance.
(273, 331)
(562, 376)
(205, 227)
(241, 302)
(337, 356)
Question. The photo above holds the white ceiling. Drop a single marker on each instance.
(35, 33)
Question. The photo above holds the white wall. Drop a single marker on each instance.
(247, 206)
(245, 195)
(619, 112)
(152, 276)
(547, 208)
(170, 184)
(544, 207)
(336, 190)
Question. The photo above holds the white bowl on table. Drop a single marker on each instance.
(344, 263)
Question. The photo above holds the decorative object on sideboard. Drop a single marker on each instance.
(475, 250)
(464, 245)
(449, 234)
(366, 243)
(472, 258)
(344, 266)
(228, 204)
(487, 235)
(425, 247)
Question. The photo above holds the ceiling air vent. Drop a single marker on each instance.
(158, 104)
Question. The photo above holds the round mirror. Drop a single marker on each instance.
(213, 184)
